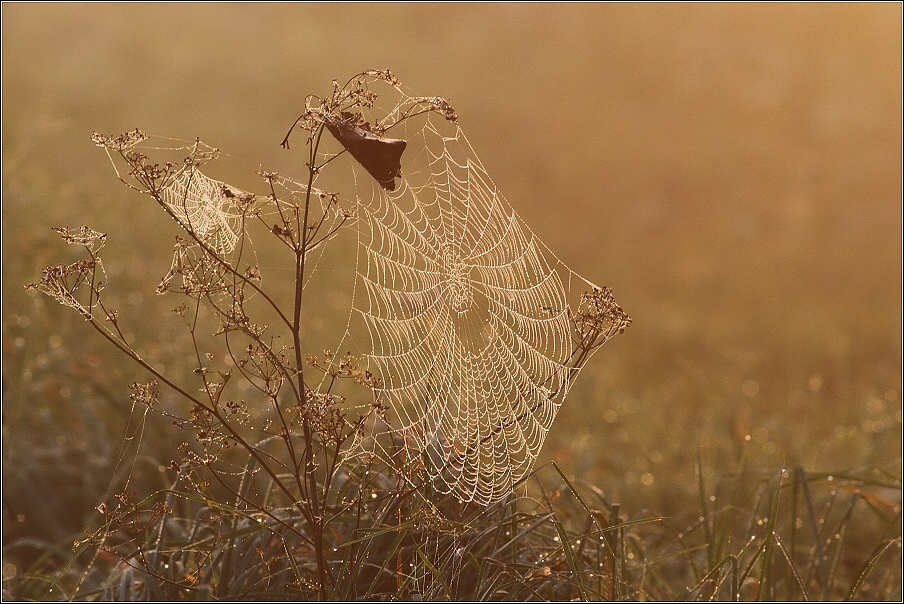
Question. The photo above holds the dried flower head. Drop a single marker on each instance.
(598, 318)
(120, 143)
(77, 285)
(91, 239)
(146, 394)
(323, 413)
(428, 519)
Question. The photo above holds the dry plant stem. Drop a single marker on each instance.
(248, 332)
(116, 337)
(119, 341)
(309, 504)
(317, 524)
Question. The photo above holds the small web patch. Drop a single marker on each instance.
(216, 216)
(208, 209)
(203, 205)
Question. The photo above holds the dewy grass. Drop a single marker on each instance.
(290, 487)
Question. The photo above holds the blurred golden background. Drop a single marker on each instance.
(733, 172)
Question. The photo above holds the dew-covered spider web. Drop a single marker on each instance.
(203, 206)
(476, 329)
(204, 203)
(214, 213)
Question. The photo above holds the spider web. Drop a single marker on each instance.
(204, 206)
(469, 319)
(213, 212)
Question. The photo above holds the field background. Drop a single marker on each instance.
(733, 172)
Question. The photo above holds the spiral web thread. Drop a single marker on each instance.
(469, 318)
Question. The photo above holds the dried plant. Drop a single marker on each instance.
(295, 458)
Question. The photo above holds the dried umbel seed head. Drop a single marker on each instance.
(145, 394)
(63, 284)
(429, 519)
(598, 318)
(120, 143)
(93, 240)
(322, 411)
